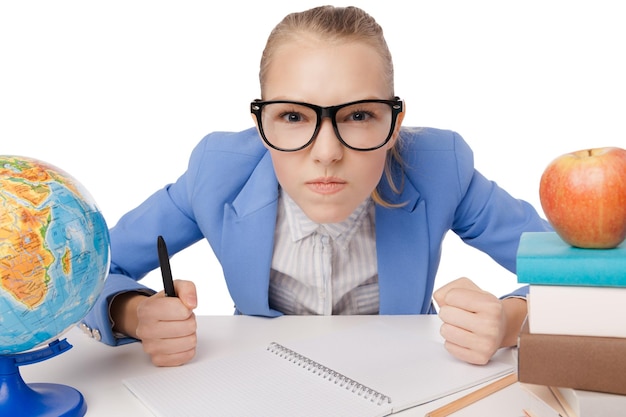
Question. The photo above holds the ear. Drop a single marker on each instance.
(256, 122)
(397, 127)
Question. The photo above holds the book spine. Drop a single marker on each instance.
(571, 271)
(579, 362)
(565, 310)
(329, 374)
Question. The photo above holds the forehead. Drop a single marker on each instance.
(325, 73)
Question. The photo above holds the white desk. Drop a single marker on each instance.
(96, 370)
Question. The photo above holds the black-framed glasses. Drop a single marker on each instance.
(362, 125)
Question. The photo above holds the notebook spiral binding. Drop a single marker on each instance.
(329, 374)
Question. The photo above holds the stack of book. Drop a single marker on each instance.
(575, 334)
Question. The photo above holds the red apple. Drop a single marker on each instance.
(583, 195)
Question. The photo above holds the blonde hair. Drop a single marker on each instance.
(337, 24)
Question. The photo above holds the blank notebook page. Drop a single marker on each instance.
(398, 364)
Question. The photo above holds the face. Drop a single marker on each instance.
(327, 180)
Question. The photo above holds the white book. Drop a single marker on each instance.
(577, 310)
(371, 370)
(544, 401)
(579, 403)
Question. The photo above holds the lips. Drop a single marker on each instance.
(326, 185)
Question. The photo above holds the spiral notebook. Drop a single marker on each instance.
(371, 370)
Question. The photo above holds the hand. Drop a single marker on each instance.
(474, 321)
(167, 325)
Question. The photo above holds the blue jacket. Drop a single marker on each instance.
(229, 195)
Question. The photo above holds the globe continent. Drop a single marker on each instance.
(54, 253)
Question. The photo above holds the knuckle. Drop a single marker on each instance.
(187, 328)
(149, 348)
(443, 313)
(486, 348)
(480, 359)
(142, 332)
(444, 330)
(495, 308)
(159, 360)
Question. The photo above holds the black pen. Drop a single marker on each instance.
(166, 271)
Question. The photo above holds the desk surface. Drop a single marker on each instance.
(96, 370)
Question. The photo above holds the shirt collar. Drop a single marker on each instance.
(300, 226)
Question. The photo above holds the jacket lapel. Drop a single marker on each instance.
(248, 241)
(402, 247)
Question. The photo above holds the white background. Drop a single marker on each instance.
(117, 93)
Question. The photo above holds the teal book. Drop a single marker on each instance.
(543, 258)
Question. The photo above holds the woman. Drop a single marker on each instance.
(329, 206)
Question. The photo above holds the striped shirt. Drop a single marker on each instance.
(324, 269)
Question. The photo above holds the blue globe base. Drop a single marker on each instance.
(37, 399)
(42, 399)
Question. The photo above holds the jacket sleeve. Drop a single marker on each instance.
(134, 254)
(491, 220)
(182, 212)
(134, 251)
(458, 197)
(98, 323)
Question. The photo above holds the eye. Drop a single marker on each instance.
(291, 117)
(360, 116)
(356, 116)
(294, 115)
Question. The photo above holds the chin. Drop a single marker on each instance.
(327, 215)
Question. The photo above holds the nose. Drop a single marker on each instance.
(326, 148)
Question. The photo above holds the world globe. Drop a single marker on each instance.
(54, 253)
